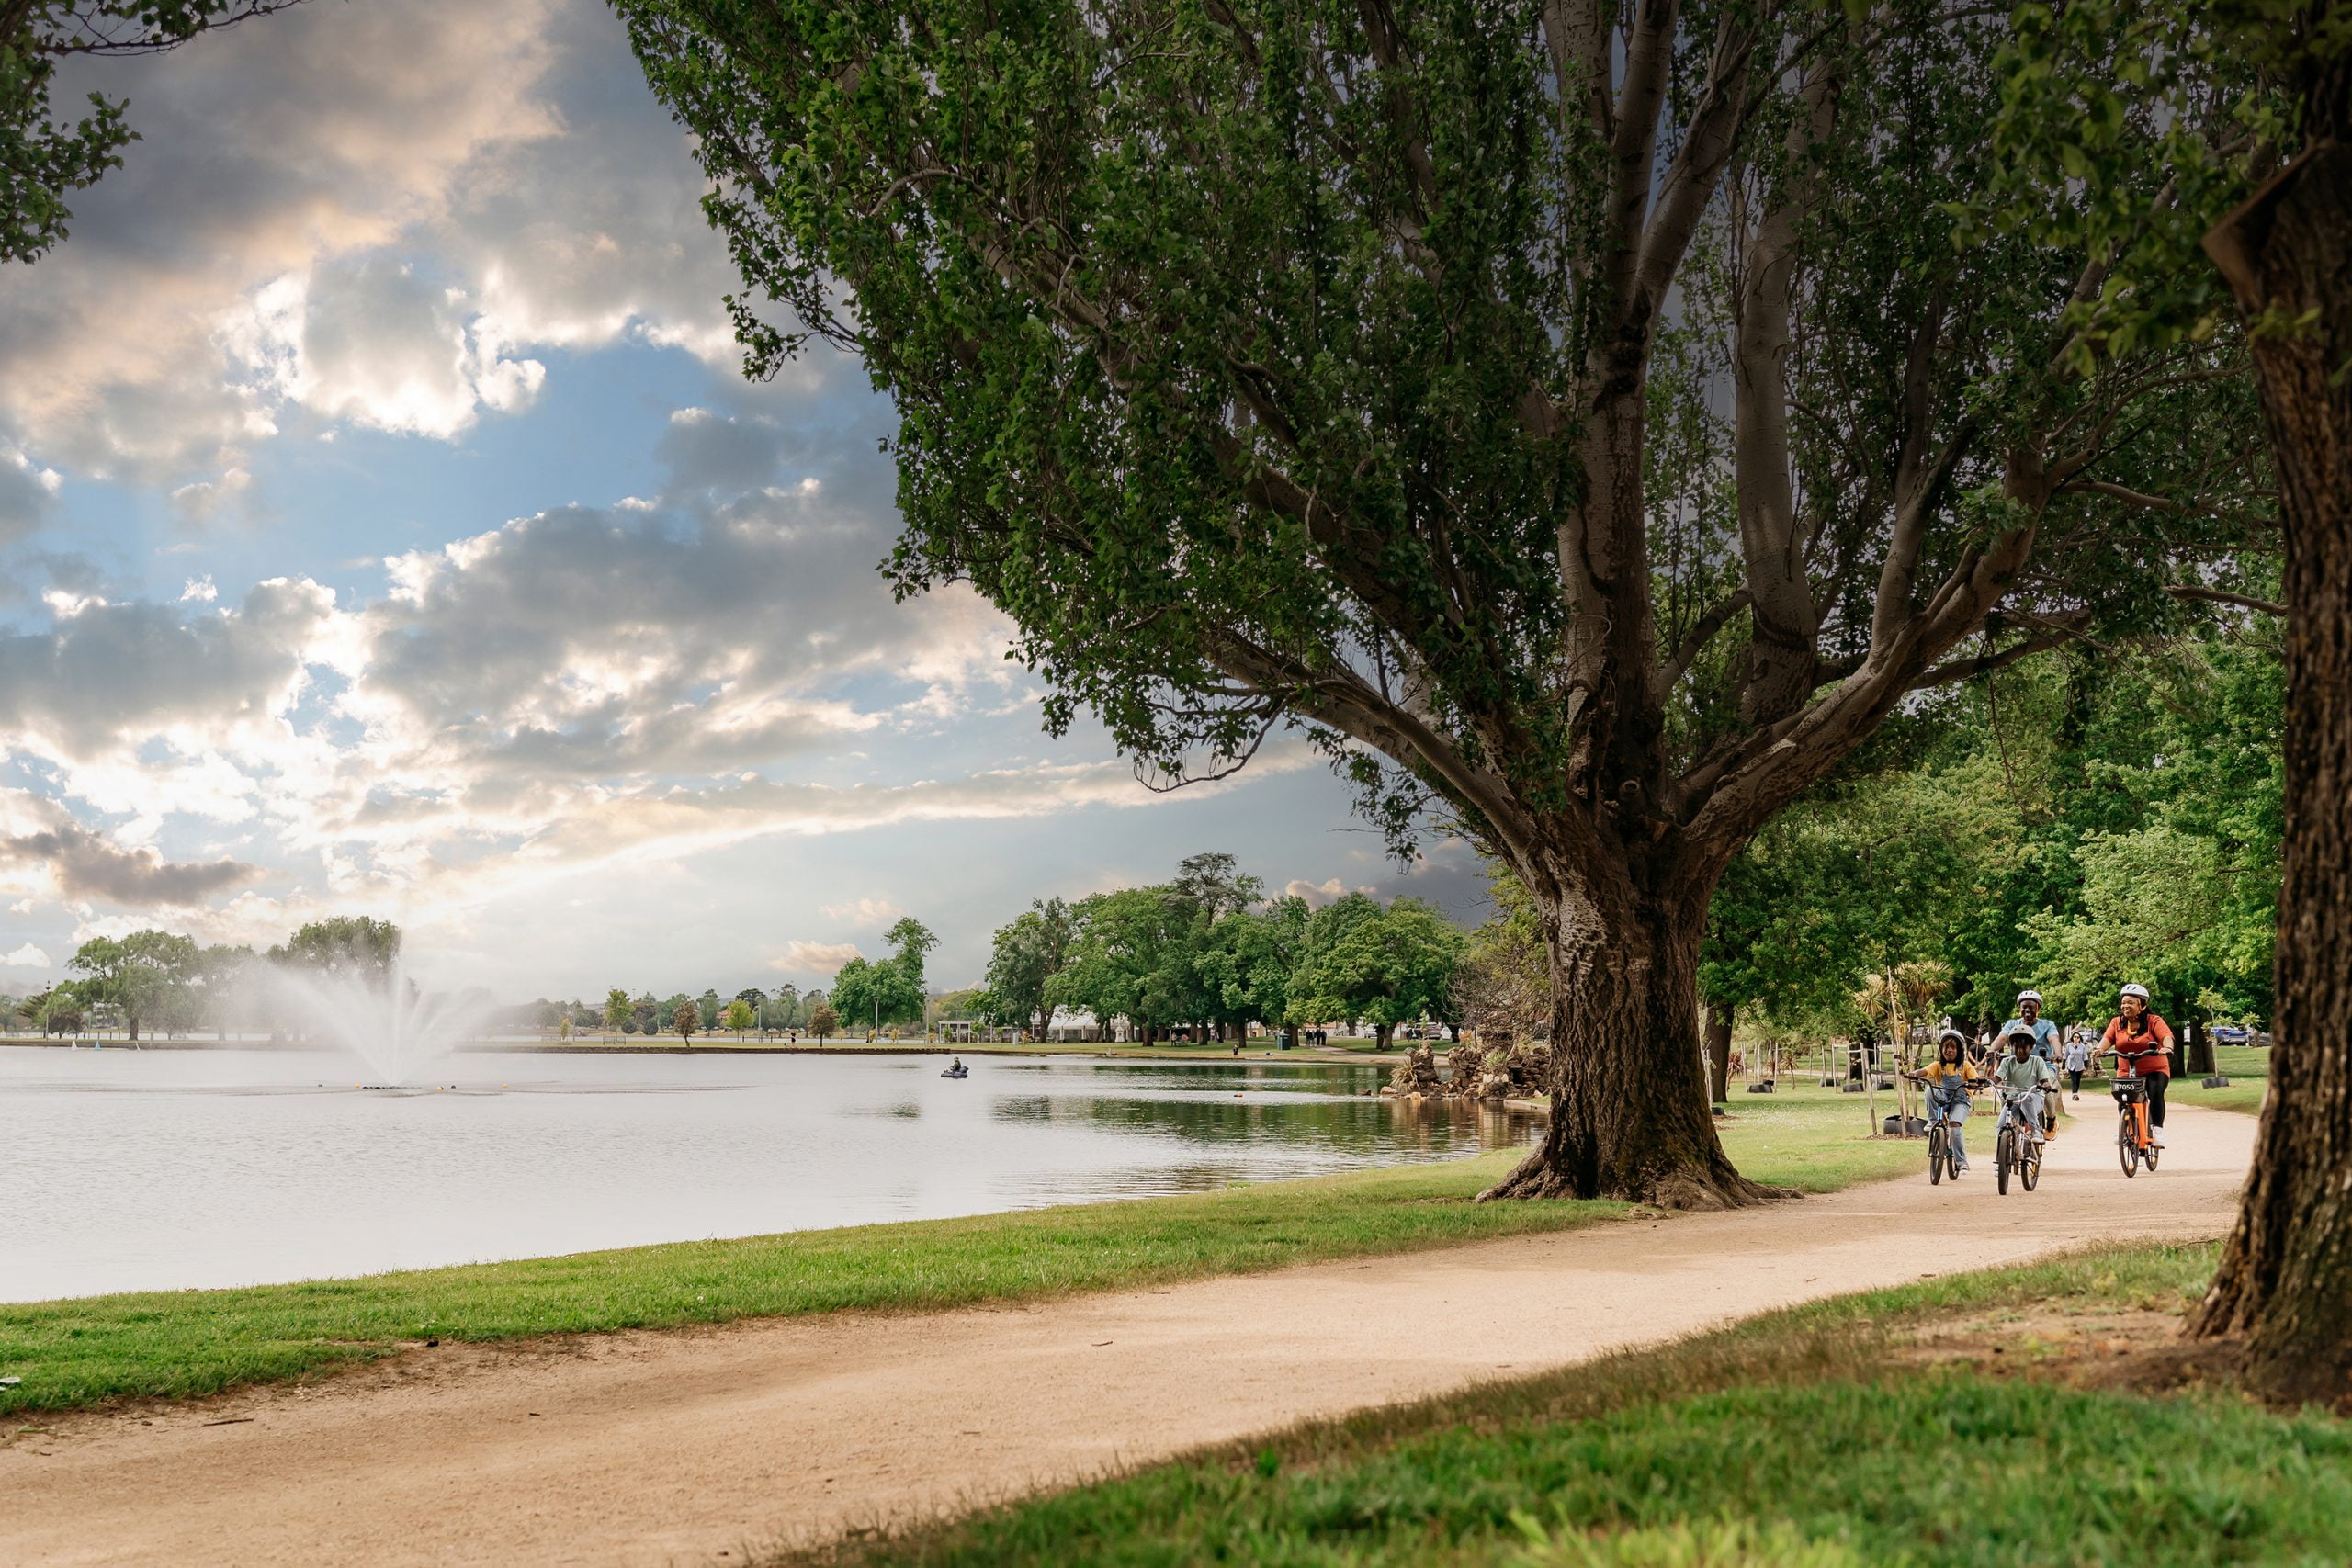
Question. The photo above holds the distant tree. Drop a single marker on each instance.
(856, 997)
(349, 947)
(1130, 958)
(823, 1021)
(685, 1021)
(740, 1015)
(1384, 966)
(648, 1014)
(1024, 958)
(1248, 962)
(618, 1011)
(139, 973)
(629, 1023)
(709, 1005)
(1504, 986)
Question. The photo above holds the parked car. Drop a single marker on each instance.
(2232, 1034)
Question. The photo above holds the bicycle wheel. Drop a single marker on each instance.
(1935, 1153)
(2031, 1169)
(2005, 1154)
(2127, 1146)
(2149, 1154)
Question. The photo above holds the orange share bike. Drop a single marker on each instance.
(2133, 1142)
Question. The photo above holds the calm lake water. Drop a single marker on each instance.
(162, 1169)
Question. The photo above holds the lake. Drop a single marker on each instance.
(164, 1169)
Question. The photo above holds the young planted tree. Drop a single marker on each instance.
(823, 1021)
(619, 1009)
(1296, 363)
(740, 1015)
(685, 1020)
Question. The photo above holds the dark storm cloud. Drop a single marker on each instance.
(87, 865)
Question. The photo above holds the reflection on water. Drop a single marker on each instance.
(124, 1169)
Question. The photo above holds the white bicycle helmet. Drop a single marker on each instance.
(2136, 990)
(2025, 997)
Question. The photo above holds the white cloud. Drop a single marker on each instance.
(372, 213)
(1321, 892)
(267, 152)
(199, 591)
(864, 912)
(820, 958)
(26, 957)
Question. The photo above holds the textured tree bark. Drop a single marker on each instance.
(1719, 1050)
(2284, 1280)
(1629, 1095)
(2199, 1044)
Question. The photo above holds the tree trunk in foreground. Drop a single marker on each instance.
(2284, 1280)
(1719, 1051)
(1629, 1092)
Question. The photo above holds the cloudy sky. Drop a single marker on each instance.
(388, 530)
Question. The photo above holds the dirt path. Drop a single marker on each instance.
(691, 1447)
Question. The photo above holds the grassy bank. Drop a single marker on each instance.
(1976, 1419)
(179, 1344)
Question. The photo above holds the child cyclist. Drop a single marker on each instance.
(1949, 1079)
(2025, 1072)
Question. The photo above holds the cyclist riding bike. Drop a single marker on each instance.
(2028, 1018)
(1950, 1077)
(2025, 1073)
(2045, 1040)
(2141, 1042)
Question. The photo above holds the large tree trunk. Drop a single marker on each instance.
(2286, 1276)
(1719, 1050)
(1628, 1096)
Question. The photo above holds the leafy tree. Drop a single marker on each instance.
(890, 991)
(1130, 958)
(709, 1005)
(349, 947)
(857, 994)
(619, 1011)
(823, 1021)
(1024, 958)
(1503, 986)
(740, 1015)
(648, 1014)
(141, 973)
(1386, 966)
(1094, 256)
(685, 1021)
(1248, 961)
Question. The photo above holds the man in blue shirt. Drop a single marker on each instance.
(2028, 1018)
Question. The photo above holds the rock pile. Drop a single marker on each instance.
(1500, 1072)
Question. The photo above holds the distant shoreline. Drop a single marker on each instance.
(1104, 1050)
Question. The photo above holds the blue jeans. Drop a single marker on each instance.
(2026, 1107)
(1951, 1105)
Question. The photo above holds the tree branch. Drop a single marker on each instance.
(2216, 596)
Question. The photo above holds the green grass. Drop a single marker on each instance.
(181, 1344)
(1778, 1443)
(2248, 1070)
(1814, 1139)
